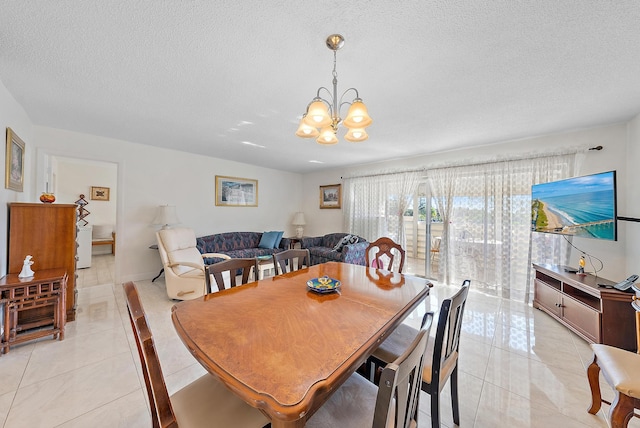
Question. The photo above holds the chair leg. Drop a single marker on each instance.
(621, 410)
(593, 374)
(454, 396)
(435, 408)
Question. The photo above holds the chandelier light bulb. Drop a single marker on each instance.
(306, 131)
(317, 114)
(357, 117)
(327, 136)
(356, 135)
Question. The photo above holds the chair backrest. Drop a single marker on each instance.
(161, 411)
(286, 258)
(179, 246)
(447, 340)
(385, 247)
(400, 382)
(233, 266)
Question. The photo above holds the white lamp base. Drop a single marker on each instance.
(299, 231)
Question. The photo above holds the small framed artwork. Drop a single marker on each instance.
(99, 193)
(236, 192)
(14, 169)
(330, 196)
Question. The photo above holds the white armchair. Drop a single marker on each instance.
(182, 262)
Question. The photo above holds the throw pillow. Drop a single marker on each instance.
(344, 241)
(354, 239)
(276, 244)
(268, 240)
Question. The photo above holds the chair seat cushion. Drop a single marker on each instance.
(206, 402)
(399, 341)
(620, 367)
(352, 405)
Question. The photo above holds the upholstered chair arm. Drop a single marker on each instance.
(216, 255)
(190, 264)
(355, 253)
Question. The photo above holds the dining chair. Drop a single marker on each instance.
(395, 403)
(204, 402)
(384, 248)
(435, 248)
(442, 353)
(234, 267)
(287, 258)
(620, 370)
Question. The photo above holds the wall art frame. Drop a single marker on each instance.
(99, 193)
(14, 165)
(236, 192)
(331, 196)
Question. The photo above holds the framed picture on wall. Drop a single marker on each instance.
(236, 192)
(14, 168)
(330, 196)
(99, 193)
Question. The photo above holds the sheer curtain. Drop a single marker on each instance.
(374, 205)
(486, 213)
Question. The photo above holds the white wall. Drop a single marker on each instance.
(613, 157)
(632, 229)
(75, 177)
(149, 177)
(13, 116)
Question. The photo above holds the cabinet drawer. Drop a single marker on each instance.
(582, 318)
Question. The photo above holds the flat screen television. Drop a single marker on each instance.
(580, 206)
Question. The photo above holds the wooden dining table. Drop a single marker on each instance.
(285, 349)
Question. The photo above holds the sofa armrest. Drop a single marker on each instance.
(355, 253)
(285, 243)
(312, 241)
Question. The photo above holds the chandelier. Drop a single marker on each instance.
(322, 117)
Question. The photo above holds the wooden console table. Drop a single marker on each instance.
(33, 307)
(597, 314)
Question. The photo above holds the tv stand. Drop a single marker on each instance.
(599, 315)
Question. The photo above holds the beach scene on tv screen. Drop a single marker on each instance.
(581, 206)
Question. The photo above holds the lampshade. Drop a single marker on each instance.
(327, 136)
(317, 114)
(357, 117)
(298, 219)
(356, 135)
(306, 131)
(165, 216)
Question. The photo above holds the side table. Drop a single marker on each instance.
(33, 307)
(265, 263)
(155, 247)
(293, 241)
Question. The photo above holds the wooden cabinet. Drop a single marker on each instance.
(22, 299)
(599, 315)
(48, 233)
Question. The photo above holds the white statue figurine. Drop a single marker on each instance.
(26, 268)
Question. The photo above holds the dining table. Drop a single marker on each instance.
(284, 345)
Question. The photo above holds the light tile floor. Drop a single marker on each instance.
(518, 367)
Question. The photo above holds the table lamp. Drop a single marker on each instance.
(166, 216)
(298, 221)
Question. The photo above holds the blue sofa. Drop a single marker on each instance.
(322, 250)
(236, 245)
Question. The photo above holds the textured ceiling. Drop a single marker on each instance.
(206, 76)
